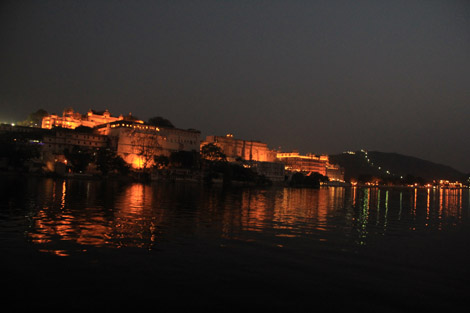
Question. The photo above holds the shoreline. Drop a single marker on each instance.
(131, 178)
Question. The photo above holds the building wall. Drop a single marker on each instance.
(309, 163)
(54, 145)
(6, 128)
(61, 140)
(335, 172)
(304, 163)
(248, 150)
(138, 143)
(272, 170)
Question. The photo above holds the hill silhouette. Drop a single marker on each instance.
(393, 166)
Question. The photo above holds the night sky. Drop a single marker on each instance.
(316, 76)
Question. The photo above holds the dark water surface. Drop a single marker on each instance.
(100, 246)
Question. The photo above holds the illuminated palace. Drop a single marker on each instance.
(255, 155)
(71, 119)
(249, 150)
(310, 163)
(262, 157)
(138, 143)
(132, 139)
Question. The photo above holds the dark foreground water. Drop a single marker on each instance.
(102, 246)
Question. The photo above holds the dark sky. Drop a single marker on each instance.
(316, 76)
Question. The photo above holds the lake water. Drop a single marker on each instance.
(104, 245)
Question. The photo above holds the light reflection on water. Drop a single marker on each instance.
(109, 214)
(353, 249)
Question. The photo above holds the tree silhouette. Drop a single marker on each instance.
(211, 152)
(108, 161)
(34, 119)
(184, 159)
(146, 147)
(160, 122)
(161, 161)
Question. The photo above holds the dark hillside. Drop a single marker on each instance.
(382, 164)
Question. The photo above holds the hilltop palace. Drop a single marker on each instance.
(129, 137)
